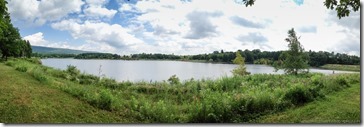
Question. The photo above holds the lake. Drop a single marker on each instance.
(159, 70)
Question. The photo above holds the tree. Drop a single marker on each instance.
(28, 50)
(295, 59)
(241, 69)
(342, 7)
(8, 42)
(11, 43)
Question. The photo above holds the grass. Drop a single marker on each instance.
(237, 99)
(342, 67)
(24, 99)
(340, 107)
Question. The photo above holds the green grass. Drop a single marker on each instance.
(226, 100)
(24, 99)
(341, 67)
(340, 107)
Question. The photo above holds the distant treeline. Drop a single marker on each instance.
(42, 55)
(254, 56)
(257, 57)
(97, 56)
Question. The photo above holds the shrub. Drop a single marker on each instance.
(106, 100)
(109, 83)
(160, 112)
(214, 107)
(10, 63)
(88, 79)
(34, 60)
(59, 74)
(340, 80)
(229, 83)
(72, 70)
(262, 101)
(174, 80)
(38, 74)
(298, 94)
(21, 68)
(335, 83)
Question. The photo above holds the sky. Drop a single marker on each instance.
(183, 27)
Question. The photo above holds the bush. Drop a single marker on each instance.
(59, 74)
(88, 79)
(21, 68)
(34, 60)
(298, 94)
(229, 83)
(214, 108)
(10, 63)
(72, 70)
(106, 100)
(262, 101)
(109, 83)
(38, 74)
(174, 80)
(340, 80)
(336, 83)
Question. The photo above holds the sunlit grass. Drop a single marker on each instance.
(342, 67)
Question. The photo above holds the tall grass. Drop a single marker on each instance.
(228, 99)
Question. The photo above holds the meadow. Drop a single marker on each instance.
(237, 99)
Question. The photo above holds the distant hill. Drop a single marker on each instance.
(49, 50)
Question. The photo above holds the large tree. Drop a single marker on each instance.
(11, 43)
(294, 59)
(342, 7)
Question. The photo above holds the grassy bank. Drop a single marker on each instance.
(24, 99)
(341, 67)
(340, 107)
(228, 99)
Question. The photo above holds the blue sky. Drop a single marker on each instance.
(183, 27)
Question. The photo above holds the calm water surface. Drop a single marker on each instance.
(153, 70)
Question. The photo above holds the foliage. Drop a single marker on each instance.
(342, 7)
(339, 107)
(263, 61)
(298, 95)
(38, 73)
(341, 67)
(293, 60)
(156, 56)
(25, 100)
(251, 56)
(97, 56)
(106, 100)
(21, 68)
(241, 69)
(11, 43)
(228, 99)
(72, 70)
(40, 55)
(174, 80)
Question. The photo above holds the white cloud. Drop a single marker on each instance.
(36, 39)
(98, 32)
(96, 9)
(202, 26)
(39, 12)
(272, 19)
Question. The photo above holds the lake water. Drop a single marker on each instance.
(154, 70)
